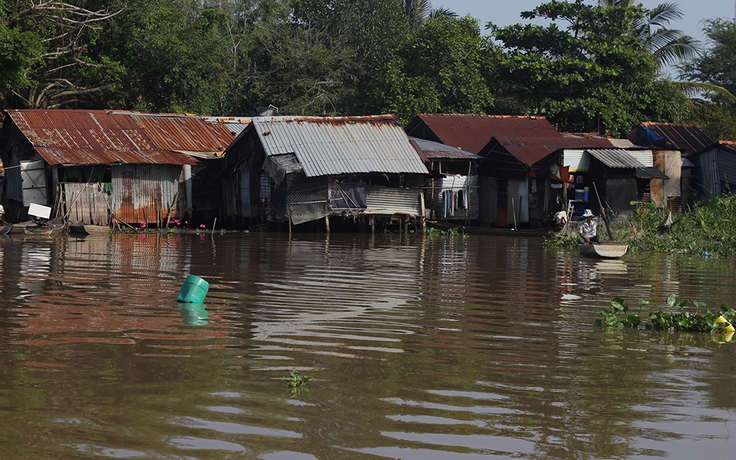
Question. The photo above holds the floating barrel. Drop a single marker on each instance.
(194, 290)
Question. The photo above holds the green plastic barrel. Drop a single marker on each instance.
(194, 290)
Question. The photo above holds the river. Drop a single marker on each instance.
(418, 348)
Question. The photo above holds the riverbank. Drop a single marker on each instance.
(707, 229)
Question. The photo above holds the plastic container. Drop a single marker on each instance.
(194, 290)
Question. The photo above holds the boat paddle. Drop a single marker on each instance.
(603, 212)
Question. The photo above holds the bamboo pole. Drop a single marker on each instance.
(603, 211)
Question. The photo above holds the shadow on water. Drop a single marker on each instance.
(438, 347)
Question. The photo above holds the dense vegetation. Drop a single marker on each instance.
(587, 67)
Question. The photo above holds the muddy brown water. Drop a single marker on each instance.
(438, 348)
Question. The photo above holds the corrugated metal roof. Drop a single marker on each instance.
(472, 132)
(437, 151)
(530, 150)
(687, 138)
(341, 145)
(616, 158)
(191, 134)
(650, 173)
(236, 125)
(104, 137)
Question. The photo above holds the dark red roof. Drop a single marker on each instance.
(530, 150)
(472, 132)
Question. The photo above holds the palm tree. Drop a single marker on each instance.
(418, 11)
(668, 46)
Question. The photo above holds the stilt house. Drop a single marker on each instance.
(301, 170)
(95, 165)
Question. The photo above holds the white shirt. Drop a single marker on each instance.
(588, 230)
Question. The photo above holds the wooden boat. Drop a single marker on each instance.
(5, 228)
(45, 229)
(604, 250)
(79, 228)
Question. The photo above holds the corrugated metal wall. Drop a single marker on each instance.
(145, 193)
(390, 200)
(727, 169)
(716, 171)
(86, 203)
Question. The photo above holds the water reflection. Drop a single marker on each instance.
(479, 347)
(194, 314)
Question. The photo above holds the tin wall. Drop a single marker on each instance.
(145, 193)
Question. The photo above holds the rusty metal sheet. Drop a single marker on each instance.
(104, 137)
(686, 138)
(185, 133)
(60, 156)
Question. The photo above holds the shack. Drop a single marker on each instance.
(716, 169)
(619, 176)
(509, 191)
(92, 166)
(672, 144)
(359, 171)
(451, 193)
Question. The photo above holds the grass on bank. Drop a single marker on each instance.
(708, 228)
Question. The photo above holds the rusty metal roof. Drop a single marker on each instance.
(437, 151)
(105, 137)
(529, 150)
(472, 132)
(340, 145)
(236, 125)
(689, 139)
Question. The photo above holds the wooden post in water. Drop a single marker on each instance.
(603, 211)
(327, 224)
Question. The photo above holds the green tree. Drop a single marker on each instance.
(716, 110)
(178, 56)
(47, 56)
(591, 75)
(669, 46)
(303, 69)
(438, 68)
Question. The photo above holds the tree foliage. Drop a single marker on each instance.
(584, 70)
(592, 68)
(439, 67)
(46, 51)
(716, 111)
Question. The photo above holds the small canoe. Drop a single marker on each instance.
(605, 250)
(51, 228)
(79, 228)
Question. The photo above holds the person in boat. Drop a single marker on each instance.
(588, 228)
